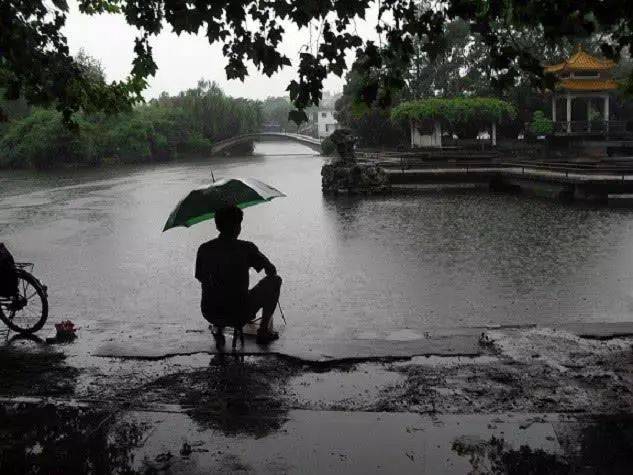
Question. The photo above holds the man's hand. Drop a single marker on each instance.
(270, 270)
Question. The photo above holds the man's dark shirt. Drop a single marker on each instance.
(222, 267)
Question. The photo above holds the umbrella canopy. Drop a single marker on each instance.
(202, 203)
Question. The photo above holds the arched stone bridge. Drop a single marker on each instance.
(227, 144)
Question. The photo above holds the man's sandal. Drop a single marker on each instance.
(219, 338)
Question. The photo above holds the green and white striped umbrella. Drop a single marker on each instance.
(201, 204)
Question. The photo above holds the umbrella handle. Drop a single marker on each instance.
(212, 177)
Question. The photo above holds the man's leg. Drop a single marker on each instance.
(216, 330)
(265, 296)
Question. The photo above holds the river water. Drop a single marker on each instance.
(351, 265)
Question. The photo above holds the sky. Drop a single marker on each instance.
(183, 60)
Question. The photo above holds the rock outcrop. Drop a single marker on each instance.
(354, 178)
(346, 175)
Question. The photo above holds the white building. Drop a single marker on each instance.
(326, 123)
(427, 134)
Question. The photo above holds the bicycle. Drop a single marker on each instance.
(27, 311)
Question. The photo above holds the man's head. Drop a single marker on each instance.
(228, 221)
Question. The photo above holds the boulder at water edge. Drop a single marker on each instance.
(353, 178)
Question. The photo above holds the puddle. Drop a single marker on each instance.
(29, 368)
(349, 442)
(358, 387)
(496, 456)
(404, 335)
(439, 361)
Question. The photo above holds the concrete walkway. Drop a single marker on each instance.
(366, 346)
(370, 346)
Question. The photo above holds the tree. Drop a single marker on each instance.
(35, 51)
(448, 72)
(276, 110)
(370, 123)
(90, 67)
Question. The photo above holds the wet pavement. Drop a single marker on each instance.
(392, 345)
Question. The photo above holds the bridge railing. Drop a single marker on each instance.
(305, 139)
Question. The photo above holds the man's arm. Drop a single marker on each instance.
(259, 261)
(199, 271)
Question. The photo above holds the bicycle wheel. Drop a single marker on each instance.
(27, 312)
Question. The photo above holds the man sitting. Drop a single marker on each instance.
(222, 267)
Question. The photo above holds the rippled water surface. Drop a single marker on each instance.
(442, 258)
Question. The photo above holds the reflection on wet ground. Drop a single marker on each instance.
(231, 396)
(29, 367)
(495, 456)
(50, 438)
(603, 442)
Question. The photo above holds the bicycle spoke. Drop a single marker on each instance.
(27, 286)
(28, 297)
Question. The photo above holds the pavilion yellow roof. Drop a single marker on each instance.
(588, 84)
(581, 61)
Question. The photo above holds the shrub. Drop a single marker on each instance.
(127, 138)
(540, 124)
(328, 147)
(42, 140)
(195, 144)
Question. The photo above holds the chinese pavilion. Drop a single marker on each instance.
(583, 84)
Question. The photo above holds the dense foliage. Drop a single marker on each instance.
(454, 112)
(35, 53)
(164, 129)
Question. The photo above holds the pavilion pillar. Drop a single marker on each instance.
(568, 113)
(588, 114)
(554, 108)
(493, 135)
(606, 112)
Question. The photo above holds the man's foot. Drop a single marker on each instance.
(218, 335)
(266, 337)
